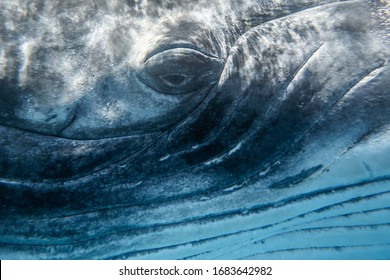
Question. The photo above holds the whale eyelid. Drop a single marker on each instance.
(161, 73)
(177, 46)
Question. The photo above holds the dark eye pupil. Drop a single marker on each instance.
(174, 79)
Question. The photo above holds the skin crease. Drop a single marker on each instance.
(227, 125)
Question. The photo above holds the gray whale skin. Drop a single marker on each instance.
(194, 129)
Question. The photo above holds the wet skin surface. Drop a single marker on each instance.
(123, 123)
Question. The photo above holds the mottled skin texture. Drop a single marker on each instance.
(233, 124)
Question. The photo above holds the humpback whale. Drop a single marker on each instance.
(195, 129)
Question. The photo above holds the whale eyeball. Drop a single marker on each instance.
(175, 79)
(180, 71)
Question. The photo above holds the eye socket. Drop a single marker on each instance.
(180, 71)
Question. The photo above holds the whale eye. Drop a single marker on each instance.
(175, 79)
(180, 71)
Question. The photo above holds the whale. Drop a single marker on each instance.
(195, 129)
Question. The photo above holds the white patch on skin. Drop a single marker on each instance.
(110, 112)
(82, 150)
(374, 74)
(26, 50)
(235, 149)
(215, 160)
(222, 157)
(234, 187)
(164, 158)
(3, 63)
(265, 171)
(99, 36)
